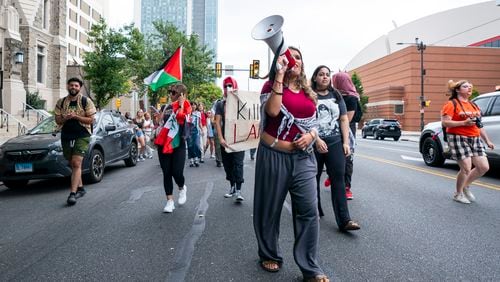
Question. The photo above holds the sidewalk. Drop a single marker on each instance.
(412, 136)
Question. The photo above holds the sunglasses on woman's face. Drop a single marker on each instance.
(172, 92)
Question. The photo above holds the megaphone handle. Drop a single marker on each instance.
(290, 58)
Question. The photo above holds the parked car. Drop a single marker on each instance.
(435, 150)
(38, 154)
(380, 128)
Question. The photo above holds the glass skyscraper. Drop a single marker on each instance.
(190, 16)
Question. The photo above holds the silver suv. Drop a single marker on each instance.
(435, 150)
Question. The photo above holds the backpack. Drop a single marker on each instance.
(358, 113)
(84, 105)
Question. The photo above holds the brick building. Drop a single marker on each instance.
(392, 83)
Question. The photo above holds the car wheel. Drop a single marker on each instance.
(132, 155)
(96, 166)
(396, 138)
(363, 134)
(15, 184)
(431, 153)
(382, 137)
(375, 135)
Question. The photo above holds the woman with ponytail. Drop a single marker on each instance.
(462, 120)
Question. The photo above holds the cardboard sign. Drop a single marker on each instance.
(241, 125)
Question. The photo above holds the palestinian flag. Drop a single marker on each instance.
(169, 136)
(170, 72)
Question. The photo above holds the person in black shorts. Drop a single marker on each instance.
(74, 114)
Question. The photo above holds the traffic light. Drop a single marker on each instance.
(118, 103)
(218, 69)
(250, 74)
(255, 69)
(427, 103)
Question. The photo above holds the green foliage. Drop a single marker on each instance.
(356, 80)
(33, 99)
(475, 93)
(197, 59)
(106, 66)
(206, 93)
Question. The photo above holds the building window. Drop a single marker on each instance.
(45, 15)
(40, 64)
(73, 16)
(84, 38)
(85, 7)
(73, 33)
(399, 109)
(84, 23)
(72, 49)
(95, 15)
(74, 2)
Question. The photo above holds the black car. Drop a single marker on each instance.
(380, 128)
(38, 154)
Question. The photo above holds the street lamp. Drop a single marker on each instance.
(420, 47)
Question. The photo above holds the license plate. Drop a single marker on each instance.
(24, 167)
(391, 128)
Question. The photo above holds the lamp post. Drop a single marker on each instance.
(420, 47)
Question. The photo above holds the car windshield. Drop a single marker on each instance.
(391, 122)
(47, 126)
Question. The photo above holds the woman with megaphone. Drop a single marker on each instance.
(286, 164)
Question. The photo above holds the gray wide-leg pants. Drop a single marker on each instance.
(276, 174)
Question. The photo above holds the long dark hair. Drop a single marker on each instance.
(314, 84)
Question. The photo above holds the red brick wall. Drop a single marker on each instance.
(397, 77)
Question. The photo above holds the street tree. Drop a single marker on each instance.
(106, 65)
(197, 59)
(356, 80)
(207, 93)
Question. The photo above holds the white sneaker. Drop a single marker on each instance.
(230, 193)
(468, 194)
(239, 197)
(170, 207)
(182, 195)
(460, 197)
(212, 157)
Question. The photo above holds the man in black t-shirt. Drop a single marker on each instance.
(351, 103)
(75, 115)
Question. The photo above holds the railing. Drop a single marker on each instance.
(5, 117)
(40, 116)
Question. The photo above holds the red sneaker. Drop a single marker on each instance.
(348, 193)
(327, 182)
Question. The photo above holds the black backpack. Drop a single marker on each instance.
(358, 113)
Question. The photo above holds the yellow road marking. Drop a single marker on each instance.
(429, 171)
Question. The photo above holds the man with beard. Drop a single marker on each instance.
(75, 114)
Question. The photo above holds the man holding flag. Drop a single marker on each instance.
(170, 139)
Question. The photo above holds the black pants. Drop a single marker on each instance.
(348, 170)
(233, 166)
(172, 165)
(334, 160)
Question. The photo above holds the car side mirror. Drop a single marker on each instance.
(110, 128)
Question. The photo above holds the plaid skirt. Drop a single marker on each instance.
(462, 147)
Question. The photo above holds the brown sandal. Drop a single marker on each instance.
(351, 225)
(270, 265)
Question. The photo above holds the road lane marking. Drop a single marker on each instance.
(429, 171)
(408, 158)
(185, 248)
(391, 149)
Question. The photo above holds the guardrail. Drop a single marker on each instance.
(40, 116)
(5, 118)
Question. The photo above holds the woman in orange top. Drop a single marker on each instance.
(462, 120)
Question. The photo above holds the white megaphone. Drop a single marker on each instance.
(269, 30)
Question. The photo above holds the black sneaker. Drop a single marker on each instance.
(219, 164)
(80, 192)
(71, 199)
(196, 164)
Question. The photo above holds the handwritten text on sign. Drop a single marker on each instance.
(241, 125)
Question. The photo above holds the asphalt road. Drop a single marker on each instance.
(411, 228)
